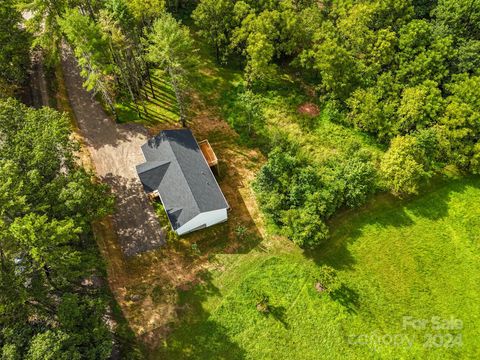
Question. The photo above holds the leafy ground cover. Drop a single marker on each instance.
(418, 258)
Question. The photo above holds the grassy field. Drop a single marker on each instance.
(419, 258)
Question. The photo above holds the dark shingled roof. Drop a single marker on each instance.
(177, 168)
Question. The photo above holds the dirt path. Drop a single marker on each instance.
(115, 150)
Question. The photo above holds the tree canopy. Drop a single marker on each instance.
(171, 47)
(47, 204)
(14, 54)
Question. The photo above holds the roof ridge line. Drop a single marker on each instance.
(160, 163)
(183, 173)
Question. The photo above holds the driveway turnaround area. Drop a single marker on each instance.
(115, 150)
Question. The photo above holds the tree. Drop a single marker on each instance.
(327, 280)
(91, 49)
(44, 25)
(251, 115)
(176, 5)
(121, 13)
(304, 228)
(51, 345)
(82, 317)
(393, 13)
(404, 166)
(358, 175)
(14, 54)
(461, 122)
(259, 55)
(423, 8)
(40, 159)
(461, 17)
(466, 57)
(261, 37)
(215, 20)
(336, 66)
(128, 53)
(299, 196)
(272, 183)
(171, 47)
(424, 53)
(373, 49)
(46, 249)
(419, 107)
(129, 69)
(367, 112)
(146, 11)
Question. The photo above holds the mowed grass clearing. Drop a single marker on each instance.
(417, 258)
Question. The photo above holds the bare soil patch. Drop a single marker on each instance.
(115, 150)
(309, 109)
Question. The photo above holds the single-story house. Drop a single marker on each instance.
(176, 170)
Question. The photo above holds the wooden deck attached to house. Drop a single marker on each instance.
(208, 153)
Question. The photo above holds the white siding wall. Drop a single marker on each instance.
(207, 218)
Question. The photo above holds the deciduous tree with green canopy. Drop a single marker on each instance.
(299, 196)
(215, 20)
(146, 11)
(420, 107)
(47, 204)
(461, 17)
(461, 122)
(404, 166)
(14, 50)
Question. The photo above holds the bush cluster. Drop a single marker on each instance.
(299, 196)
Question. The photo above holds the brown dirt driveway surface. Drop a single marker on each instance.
(115, 150)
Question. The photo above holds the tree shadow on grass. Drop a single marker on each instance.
(205, 340)
(279, 313)
(346, 297)
(198, 336)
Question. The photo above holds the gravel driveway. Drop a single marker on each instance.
(115, 150)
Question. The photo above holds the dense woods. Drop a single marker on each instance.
(109, 41)
(53, 301)
(47, 251)
(14, 57)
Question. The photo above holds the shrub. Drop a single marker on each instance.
(299, 196)
(404, 166)
(327, 279)
(359, 178)
(304, 228)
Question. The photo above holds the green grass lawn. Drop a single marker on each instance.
(417, 258)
